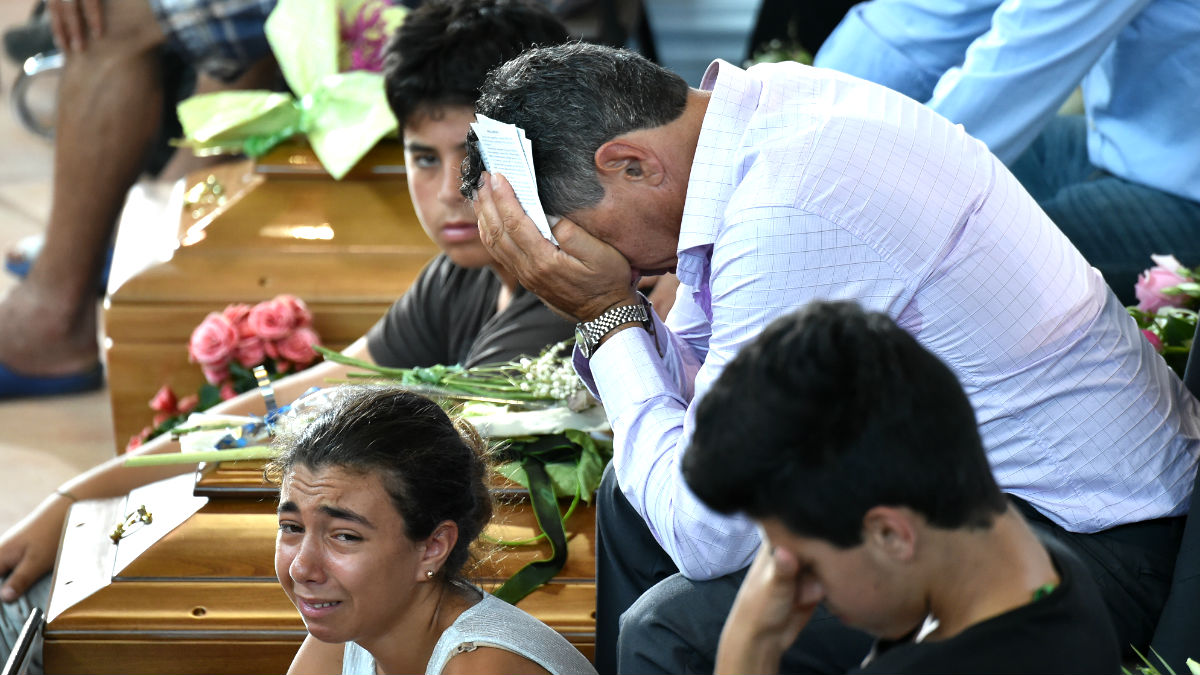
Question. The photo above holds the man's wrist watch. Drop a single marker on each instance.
(589, 334)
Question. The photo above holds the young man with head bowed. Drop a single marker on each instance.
(860, 460)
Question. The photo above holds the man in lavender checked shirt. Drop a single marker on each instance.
(773, 187)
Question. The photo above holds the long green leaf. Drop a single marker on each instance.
(545, 509)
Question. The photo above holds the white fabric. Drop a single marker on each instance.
(489, 623)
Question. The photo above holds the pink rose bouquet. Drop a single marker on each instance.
(276, 334)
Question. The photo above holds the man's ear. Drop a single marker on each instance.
(436, 548)
(890, 532)
(623, 160)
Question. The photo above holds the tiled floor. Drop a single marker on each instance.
(42, 442)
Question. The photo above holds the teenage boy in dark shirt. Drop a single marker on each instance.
(857, 452)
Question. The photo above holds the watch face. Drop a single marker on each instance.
(581, 341)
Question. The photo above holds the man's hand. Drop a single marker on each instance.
(582, 277)
(74, 21)
(772, 606)
(28, 549)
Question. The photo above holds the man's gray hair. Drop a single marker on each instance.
(571, 99)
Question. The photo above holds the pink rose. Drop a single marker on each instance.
(297, 347)
(250, 351)
(1151, 283)
(213, 341)
(217, 374)
(302, 318)
(188, 403)
(164, 401)
(227, 391)
(272, 319)
(161, 417)
(239, 315)
(1154, 341)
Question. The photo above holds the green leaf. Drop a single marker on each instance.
(545, 508)
(1189, 288)
(593, 458)
(1176, 328)
(210, 395)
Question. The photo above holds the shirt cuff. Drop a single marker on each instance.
(616, 372)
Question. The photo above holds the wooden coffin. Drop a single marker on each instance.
(195, 591)
(279, 225)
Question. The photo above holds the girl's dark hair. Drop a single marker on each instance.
(431, 466)
(441, 53)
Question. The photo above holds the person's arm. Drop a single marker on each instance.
(28, 549)
(649, 410)
(1011, 79)
(317, 658)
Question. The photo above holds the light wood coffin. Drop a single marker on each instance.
(195, 590)
(349, 248)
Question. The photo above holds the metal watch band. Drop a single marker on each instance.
(590, 333)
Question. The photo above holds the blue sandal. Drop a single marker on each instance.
(15, 385)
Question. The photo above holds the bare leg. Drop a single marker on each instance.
(109, 110)
(110, 104)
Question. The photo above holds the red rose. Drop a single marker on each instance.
(213, 341)
(298, 346)
(188, 403)
(161, 417)
(250, 351)
(216, 374)
(238, 315)
(1154, 340)
(137, 439)
(164, 401)
(302, 318)
(272, 319)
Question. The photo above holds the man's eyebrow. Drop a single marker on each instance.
(343, 514)
(288, 507)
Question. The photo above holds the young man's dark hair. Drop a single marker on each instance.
(802, 423)
(570, 99)
(441, 54)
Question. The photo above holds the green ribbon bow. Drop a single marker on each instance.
(343, 114)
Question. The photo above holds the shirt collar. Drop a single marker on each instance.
(713, 179)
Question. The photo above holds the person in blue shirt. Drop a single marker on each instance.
(1122, 181)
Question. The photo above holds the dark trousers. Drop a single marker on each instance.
(672, 624)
